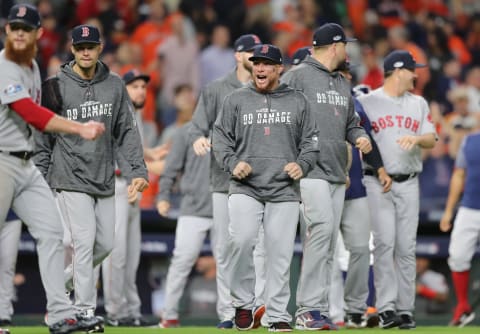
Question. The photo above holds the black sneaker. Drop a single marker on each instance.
(64, 326)
(355, 320)
(408, 322)
(243, 319)
(389, 319)
(280, 327)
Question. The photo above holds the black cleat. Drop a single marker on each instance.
(389, 319)
(90, 323)
(64, 326)
(408, 322)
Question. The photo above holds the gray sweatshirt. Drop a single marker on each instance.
(194, 181)
(331, 102)
(72, 163)
(208, 107)
(267, 131)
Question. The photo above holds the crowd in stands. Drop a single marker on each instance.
(184, 44)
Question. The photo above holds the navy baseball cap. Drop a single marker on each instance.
(400, 59)
(133, 75)
(268, 52)
(85, 34)
(246, 43)
(330, 33)
(300, 55)
(25, 14)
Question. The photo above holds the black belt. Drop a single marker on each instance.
(395, 177)
(24, 155)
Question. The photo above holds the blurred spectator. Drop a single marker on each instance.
(399, 39)
(217, 59)
(178, 62)
(432, 288)
(373, 76)
(450, 78)
(181, 112)
(473, 39)
(473, 82)
(50, 38)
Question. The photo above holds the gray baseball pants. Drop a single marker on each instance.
(394, 228)
(321, 211)
(9, 239)
(279, 220)
(355, 229)
(222, 254)
(119, 269)
(189, 237)
(25, 190)
(91, 223)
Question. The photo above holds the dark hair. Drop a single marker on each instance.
(182, 87)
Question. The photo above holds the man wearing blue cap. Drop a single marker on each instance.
(208, 107)
(323, 188)
(401, 127)
(83, 173)
(265, 138)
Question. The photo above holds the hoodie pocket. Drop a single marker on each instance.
(268, 173)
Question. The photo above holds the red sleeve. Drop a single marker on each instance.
(32, 113)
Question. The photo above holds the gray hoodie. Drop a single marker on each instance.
(331, 103)
(72, 163)
(208, 107)
(194, 181)
(267, 131)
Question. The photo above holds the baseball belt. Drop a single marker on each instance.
(24, 155)
(395, 177)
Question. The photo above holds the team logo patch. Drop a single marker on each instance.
(12, 89)
(398, 64)
(266, 130)
(337, 38)
(85, 32)
(22, 11)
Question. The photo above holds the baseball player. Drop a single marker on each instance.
(355, 222)
(265, 137)
(208, 107)
(466, 228)
(195, 219)
(83, 173)
(23, 187)
(9, 240)
(323, 188)
(401, 128)
(119, 269)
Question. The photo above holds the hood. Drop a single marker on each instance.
(280, 90)
(102, 72)
(319, 66)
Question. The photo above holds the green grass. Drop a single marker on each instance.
(209, 330)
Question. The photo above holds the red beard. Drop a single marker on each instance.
(24, 57)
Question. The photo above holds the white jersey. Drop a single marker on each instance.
(16, 82)
(392, 118)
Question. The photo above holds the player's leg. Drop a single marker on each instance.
(259, 263)
(335, 297)
(355, 227)
(321, 210)
(105, 228)
(114, 266)
(9, 239)
(134, 247)
(225, 309)
(280, 224)
(246, 216)
(463, 242)
(189, 237)
(382, 213)
(407, 205)
(79, 214)
(35, 206)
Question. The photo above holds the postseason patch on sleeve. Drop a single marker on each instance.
(13, 89)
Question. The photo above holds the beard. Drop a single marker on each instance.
(138, 105)
(20, 56)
